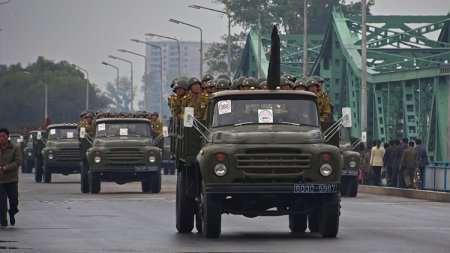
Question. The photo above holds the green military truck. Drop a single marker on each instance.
(38, 146)
(259, 153)
(61, 152)
(352, 161)
(121, 150)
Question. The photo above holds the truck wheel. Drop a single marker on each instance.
(329, 216)
(145, 185)
(211, 213)
(47, 174)
(155, 182)
(84, 181)
(313, 221)
(297, 223)
(344, 189)
(184, 208)
(38, 171)
(353, 187)
(94, 182)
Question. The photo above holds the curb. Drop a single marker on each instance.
(406, 193)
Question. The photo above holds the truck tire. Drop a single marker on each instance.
(344, 189)
(29, 166)
(94, 182)
(297, 223)
(145, 185)
(211, 213)
(47, 174)
(155, 182)
(313, 221)
(353, 186)
(329, 216)
(184, 208)
(38, 170)
(84, 181)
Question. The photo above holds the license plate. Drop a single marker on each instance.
(349, 172)
(315, 188)
(146, 168)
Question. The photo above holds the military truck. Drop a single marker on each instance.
(28, 158)
(61, 152)
(259, 153)
(38, 145)
(352, 161)
(122, 150)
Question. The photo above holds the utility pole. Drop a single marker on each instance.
(259, 44)
(305, 38)
(363, 113)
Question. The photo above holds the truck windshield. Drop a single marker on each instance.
(111, 129)
(267, 111)
(62, 133)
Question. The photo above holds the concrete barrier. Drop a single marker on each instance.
(406, 193)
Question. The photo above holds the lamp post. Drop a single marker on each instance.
(229, 31)
(201, 41)
(160, 70)
(305, 40)
(145, 73)
(117, 84)
(131, 78)
(178, 44)
(87, 84)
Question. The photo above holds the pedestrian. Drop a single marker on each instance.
(376, 162)
(423, 161)
(10, 159)
(388, 161)
(409, 164)
(366, 163)
(402, 147)
(395, 163)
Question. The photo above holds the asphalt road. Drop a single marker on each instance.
(56, 217)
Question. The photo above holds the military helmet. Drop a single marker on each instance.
(239, 82)
(222, 83)
(318, 79)
(290, 77)
(262, 84)
(223, 76)
(89, 114)
(193, 80)
(82, 114)
(299, 82)
(285, 81)
(174, 81)
(312, 81)
(211, 83)
(207, 77)
(155, 113)
(250, 81)
(260, 80)
(181, 83)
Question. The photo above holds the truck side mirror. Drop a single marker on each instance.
(188, 119)
(165, 131)
(346, 117)
(82, 132)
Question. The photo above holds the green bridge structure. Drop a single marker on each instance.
(408, 73)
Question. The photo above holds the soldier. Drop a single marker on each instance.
(210, 86)
(222, 84)
(205, 79)
(195, 99)
(88, 123)
(223, 76)
(175, 100)
(289, 77)
(263, 85)
(248, 84)
(299, 85)
(237, 85)
(157, 125)
(320, 81)
(285, 84)
(322, 99)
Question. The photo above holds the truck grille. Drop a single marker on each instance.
(122, 156)
(266, 163)
(69, 155)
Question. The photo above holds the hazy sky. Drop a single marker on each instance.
(85, 32)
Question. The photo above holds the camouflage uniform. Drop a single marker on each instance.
(324, 105)
(157, 126)
(197, 101)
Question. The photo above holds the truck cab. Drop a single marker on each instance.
(352, 161)
(259, 153)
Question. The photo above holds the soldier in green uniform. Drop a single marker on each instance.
(248, 83)
(299, 85)
(157, 125)
(210, 86)
(263, 85)
(222, 84)
(195, 99)
(290, 77)
(205, 79)
(175, 100)
(322, 99)
(88, 123)
(285, 84)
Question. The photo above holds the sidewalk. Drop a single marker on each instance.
(406, 193)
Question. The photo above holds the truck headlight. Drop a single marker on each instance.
(50, 156)
(152, 159)
(326, 170)
(97, 159)
(220, 170)
(352, 164)
(30, 154)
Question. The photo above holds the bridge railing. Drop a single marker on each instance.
(437, 176)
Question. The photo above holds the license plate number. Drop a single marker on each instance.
(315, 188)
(349, 172)
(146, 168)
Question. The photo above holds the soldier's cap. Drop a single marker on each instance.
(262, 84)
(211, 83)
(290, 77)
(82, 114)
(193, 80)
(240, 81)
(155, 113)
(260, 80)
(318, 79)
(89, 114)
(250, 81)
(299, 82)
(312, 81)
(174, 81)
(285, 81)
(207, 77)
(223, 76)
(222, 83)
(181, 83)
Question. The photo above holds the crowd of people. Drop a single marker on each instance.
(400, 160)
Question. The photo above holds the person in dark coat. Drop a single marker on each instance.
(10, 160)
(396, 163)
(423, 161)
(409, 164)
(403, 146)
(388, 161)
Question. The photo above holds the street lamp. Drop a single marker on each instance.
(131, 77)
(160, 70)
(201, 41)
(117, 84)
(229, 31)
(178, 44)
(145, 73)
(87, 84)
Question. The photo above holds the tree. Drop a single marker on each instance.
(216, 56)
(121, 98)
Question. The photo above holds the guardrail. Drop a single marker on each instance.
(437, 176)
